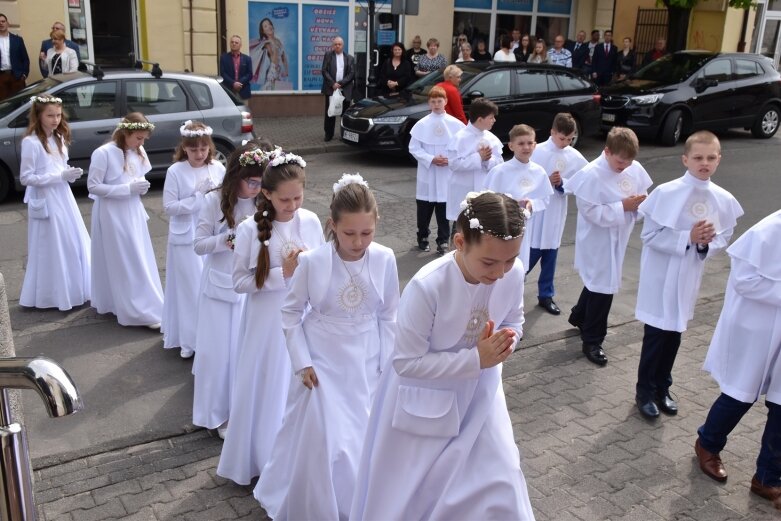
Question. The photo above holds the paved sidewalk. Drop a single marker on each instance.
(302, 135)
(586, 452)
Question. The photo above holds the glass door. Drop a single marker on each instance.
(386, 31)
(770, 41)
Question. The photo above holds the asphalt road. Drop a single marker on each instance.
(135, 391)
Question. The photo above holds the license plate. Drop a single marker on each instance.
(608, 117)
(350, 136)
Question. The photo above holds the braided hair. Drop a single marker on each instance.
(495, 214)
(264, 217)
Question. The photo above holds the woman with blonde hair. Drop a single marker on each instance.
(60, 59)
(540, 53)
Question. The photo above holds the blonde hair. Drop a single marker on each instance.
(702, 137)
(522, 130)
(622, 141)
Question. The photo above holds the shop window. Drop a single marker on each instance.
(476, 26)
(152, 97)
(548, 27)
(505, 23)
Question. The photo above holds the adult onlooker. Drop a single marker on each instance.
(396, 72)
(504, 54)
(432, 60)
(460, 40)
(592, 44)
(625, 64)
(236, 69)
(559, 55)
(455, 105)
(47, 44)
(516, 39)
(524, 50)
(579, 50)
(540, 53)
(416, 51)
(466, 53)
(659, 50)
(59, 58)
(481, 53)
(338, 73)
(14, 62)
(603, 62)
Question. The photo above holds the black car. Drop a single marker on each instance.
(696, 90)
(525, 93)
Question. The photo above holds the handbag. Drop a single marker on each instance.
(335, 103)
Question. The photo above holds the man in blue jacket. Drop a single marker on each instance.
(47, 44)
(236, 69)
(14, 61)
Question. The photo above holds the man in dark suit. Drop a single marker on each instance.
(236, 69)
(14, 61)
(603, 62)
(47, 44)
(579, 50)
(338, 73)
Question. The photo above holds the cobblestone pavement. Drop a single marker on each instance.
(586, 452)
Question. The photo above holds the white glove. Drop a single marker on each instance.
(70, 174)
(205, 186)
(139, 186)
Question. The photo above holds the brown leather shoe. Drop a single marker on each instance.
(771, 493)
(710, 463)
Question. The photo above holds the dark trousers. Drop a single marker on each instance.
(425, 210)
(591, 313)
(547, 260)
(723, 417)
(329, 123)
(654, 373)
(9, 84)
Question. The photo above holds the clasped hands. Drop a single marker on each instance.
(71, 173)
(494, 347)
(702, 233)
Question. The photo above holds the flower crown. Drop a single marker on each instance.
(185, 132)
(280, 157)
(349, 179)
(132, 125)
(474, 221)
(46, 99)
(255, 156)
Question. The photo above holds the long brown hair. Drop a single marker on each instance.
(234, 173)
(120, 135)
(264, 217)
(194, 141)
(62, 134)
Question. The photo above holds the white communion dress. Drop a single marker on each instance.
(58, 259)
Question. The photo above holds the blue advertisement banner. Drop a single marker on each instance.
(514, 5)
(273, 46)
(554, 6)
(473, 4)
(320, 25)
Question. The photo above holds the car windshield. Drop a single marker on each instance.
(673, 68)
(9, 105)
(424, 84)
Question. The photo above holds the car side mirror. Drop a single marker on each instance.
(704, 83)
(474, 95)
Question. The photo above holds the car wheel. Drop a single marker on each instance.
(578, 133)
(222, 151)
(672, 129)
(767, 123)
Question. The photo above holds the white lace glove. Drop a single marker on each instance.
(70, 174)
(205, 186)
(139, 186)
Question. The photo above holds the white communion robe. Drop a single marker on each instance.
(522, 181)
(744, 356)
(429, 138)
(57, 274)
(182, 202)
(440, 444)
(125, 280)
(467, 169)
(219, 313)
(547, 227)
(263, 373)
(342, 325)
(670, 266)
(603, 226)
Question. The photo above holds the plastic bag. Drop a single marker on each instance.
(335, 104)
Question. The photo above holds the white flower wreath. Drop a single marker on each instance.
(46, 99)
(185, 132)
(348, 179)
(280, 157)
(132, 125)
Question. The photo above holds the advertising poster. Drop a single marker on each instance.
(273, 46)
(320, 25)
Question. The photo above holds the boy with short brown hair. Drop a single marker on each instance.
(608, 192)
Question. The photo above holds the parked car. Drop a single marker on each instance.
(695, 90)
(95, 102)
(525, 93)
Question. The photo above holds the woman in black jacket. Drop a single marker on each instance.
(396, 72)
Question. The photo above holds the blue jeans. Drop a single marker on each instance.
(725, 414)
(547, 270)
